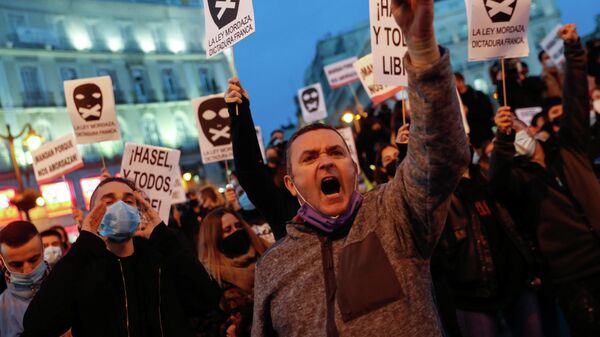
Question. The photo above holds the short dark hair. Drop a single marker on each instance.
(51, 232)
(459, 76)
(307, 129)
(276, 131)
(536, 117)
(18, 233)
(127, 182)
(540, 54)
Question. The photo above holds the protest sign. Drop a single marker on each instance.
(341, 73)
(214, 131)
(178, 194)
(226, 23)
(526, 114)
(153, 170)
(554, 46)
(497, 28)
(91, 106)
(260, 142)
(56, 158)
(376, 92)
(349, 138)
(312, 103)
(388, 44)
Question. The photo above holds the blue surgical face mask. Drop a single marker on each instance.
(245, 202)
(34, 278)
(120, 222)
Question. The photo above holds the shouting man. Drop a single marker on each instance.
(359, 266)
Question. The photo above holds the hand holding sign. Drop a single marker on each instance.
(235, 91)
(568, 33)
(504, 120)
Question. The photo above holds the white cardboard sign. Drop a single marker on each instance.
(388, 44)
(554, 46)
(226, 23)
(214, 130)
(91, 106)
(527, 114)
(153, 170)
(349, 138)
(312, 103)
(498, 28)
(376, 92)
(56, 158)
(178, 193)
(341, 73)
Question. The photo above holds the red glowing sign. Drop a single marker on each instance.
(8, 212)
(58, 197)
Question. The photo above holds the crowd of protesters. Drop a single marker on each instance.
(491, 233)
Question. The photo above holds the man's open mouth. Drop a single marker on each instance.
(330, 185)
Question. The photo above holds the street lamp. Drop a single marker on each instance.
(32, 140)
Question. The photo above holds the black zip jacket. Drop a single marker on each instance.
(481, 255)
(561, 202)
(276, 204)
(97, 294)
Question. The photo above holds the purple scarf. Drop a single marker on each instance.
(327, 223)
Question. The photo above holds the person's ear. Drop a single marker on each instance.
(289, 184)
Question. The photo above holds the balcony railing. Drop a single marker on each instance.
(37, 99)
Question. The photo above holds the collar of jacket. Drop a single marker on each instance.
(297, 228)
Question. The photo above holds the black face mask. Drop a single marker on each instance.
(390, 168)
(236, 244)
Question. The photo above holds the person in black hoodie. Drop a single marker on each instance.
(256, 178)
(480, 112)
(113, 284)
(558, 194)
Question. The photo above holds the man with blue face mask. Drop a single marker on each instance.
(23, 259)
(114, 284)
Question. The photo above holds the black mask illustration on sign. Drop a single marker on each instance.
(223, 12)
(500, 10)
(310, 99)
(88, 101)
(214, 120)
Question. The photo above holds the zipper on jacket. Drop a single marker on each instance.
(126, 301)
(160, 305)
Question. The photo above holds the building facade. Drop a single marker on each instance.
(451, 31)
(153, 51)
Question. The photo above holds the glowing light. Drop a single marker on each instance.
(221, 190)
(176, 46)
(40, 202)
(80, 39)
(372, 167)
(115, 44)
(357, 117)
(187, 176)
(348, 117)
(33, 141)
(147, 45)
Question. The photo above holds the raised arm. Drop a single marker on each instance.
(575, 124)
(438, 153)
(250, 168)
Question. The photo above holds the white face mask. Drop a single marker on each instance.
(548, 63)
(596, 105)
(52, 254)
(524, 144)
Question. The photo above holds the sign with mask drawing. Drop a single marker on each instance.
(153, 170)
(312, 103)
(226, 23)
(91, 107)
(498, 28)
(214, 130)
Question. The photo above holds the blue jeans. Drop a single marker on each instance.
(522, 317)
